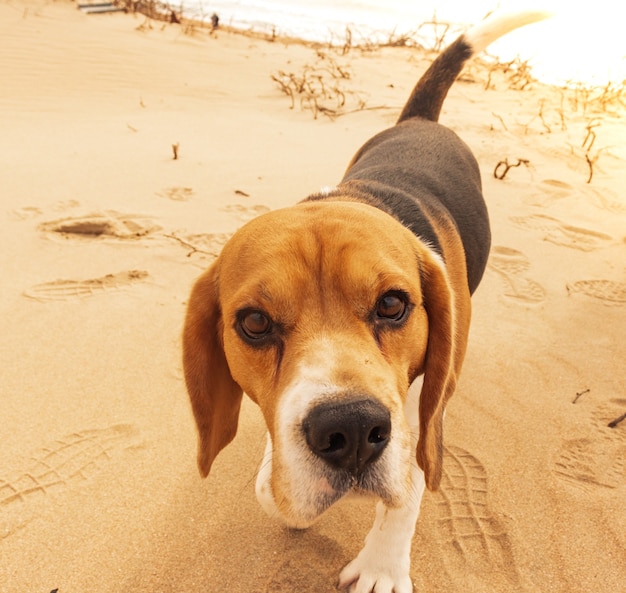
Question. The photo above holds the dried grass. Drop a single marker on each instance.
(319, 87)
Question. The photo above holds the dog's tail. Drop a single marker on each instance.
(431, 90)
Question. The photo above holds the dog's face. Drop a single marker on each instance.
(323, 314)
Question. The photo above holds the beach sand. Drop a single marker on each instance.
(103, 233)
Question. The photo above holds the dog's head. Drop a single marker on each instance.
(324, 314)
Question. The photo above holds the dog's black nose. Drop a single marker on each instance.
(348, 435)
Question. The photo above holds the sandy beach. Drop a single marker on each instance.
(104, 231)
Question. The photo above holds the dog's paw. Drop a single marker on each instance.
(376, 575)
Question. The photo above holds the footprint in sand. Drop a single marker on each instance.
(512, 265)
(463, 512)
(566, 235)
(25, 213)
(28, 212)
(62, 290)
(207, 243)
(109, 224)
(177, 194)
(551, 190)
(471, 535)
(246, 213)
(316, 573)
(607, 291)
(606, 199)
(56, 467)
(598, 460)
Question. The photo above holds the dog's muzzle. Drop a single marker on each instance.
(348, 435)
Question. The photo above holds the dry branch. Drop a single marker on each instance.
(580, 394)
(504, 166)
(588, 143)
(193, 248)
(319, 87)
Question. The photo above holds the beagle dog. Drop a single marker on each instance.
(345, 318)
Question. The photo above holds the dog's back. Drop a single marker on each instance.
(422, 173)
(425, 176)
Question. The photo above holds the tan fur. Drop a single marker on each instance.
(215, 397)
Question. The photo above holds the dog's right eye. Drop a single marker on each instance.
(391, 306)
(255, 324)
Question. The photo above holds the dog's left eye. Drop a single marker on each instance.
(391, 306)
(255, 325)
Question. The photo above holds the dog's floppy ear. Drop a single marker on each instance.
(439, 366)
(215, 397)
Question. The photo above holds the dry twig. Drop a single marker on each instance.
(516, 73)
(543, 121)
(588, 143)
(501, 120)
(505, 166)
(193, 248)
(579, 394)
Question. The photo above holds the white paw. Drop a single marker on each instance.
(376, 575)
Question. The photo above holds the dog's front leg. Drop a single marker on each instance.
(383, 565)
